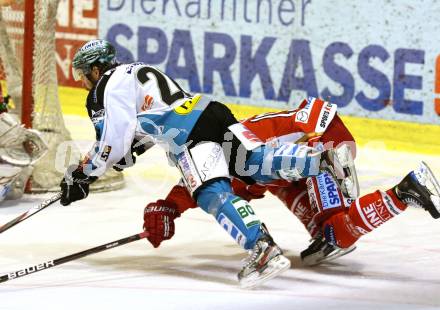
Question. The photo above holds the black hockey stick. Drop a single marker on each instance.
(65, 259)
(30, 212)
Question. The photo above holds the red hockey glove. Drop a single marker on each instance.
(159, 221)
(180, 197)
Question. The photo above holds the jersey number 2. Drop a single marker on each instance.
(162, 82)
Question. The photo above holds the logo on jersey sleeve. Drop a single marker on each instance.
(316, 115)
(303, 115)
(326, 115)
(148, 102)
(105, 152)
(97, 116)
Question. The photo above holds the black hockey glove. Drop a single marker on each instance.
(75, 185)
(137, 148)
(126, 162)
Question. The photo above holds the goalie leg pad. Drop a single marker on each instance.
(19, 184)
(8, 175)
(19, 146)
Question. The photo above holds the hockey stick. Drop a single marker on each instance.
(30, 212)
(65, 259)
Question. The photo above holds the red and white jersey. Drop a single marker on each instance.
(314, 118)
(310, 120)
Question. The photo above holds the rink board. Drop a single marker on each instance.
(391, 135)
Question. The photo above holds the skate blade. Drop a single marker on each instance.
(434, 187)
(276, 266)
(339, 253)
(319, 258)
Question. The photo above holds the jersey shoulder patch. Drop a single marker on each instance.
(315, 115)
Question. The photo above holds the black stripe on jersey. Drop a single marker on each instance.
(95, 103)
(95, 98)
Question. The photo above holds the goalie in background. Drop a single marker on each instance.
(20, 149)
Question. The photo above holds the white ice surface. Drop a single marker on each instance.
(394, 267)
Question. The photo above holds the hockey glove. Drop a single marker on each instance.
(75, 185)
(159, 221)
(125, 162)
(137, 148)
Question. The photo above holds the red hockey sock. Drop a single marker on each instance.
(295, 198)
(364, 215)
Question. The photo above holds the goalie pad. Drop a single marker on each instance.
(19, 146)
(202, 163)
(19, 185)
(8, 174)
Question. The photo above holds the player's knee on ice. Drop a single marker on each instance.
(231, 212)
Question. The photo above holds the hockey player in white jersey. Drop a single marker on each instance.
(131, 104)
(20, 148)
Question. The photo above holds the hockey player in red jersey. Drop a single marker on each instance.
(334, 217)
(315, 121)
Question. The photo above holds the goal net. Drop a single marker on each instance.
(40, 107)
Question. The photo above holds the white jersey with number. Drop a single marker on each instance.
(137, 101)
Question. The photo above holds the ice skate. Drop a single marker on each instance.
(265, 261)
(420, 189)
(320, 251)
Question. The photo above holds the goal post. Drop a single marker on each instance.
(28, 63)
(28, 60)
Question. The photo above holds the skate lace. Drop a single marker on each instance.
(253, 255)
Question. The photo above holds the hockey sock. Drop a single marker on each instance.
(295, 198)
(363, 216)
(234, 214)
